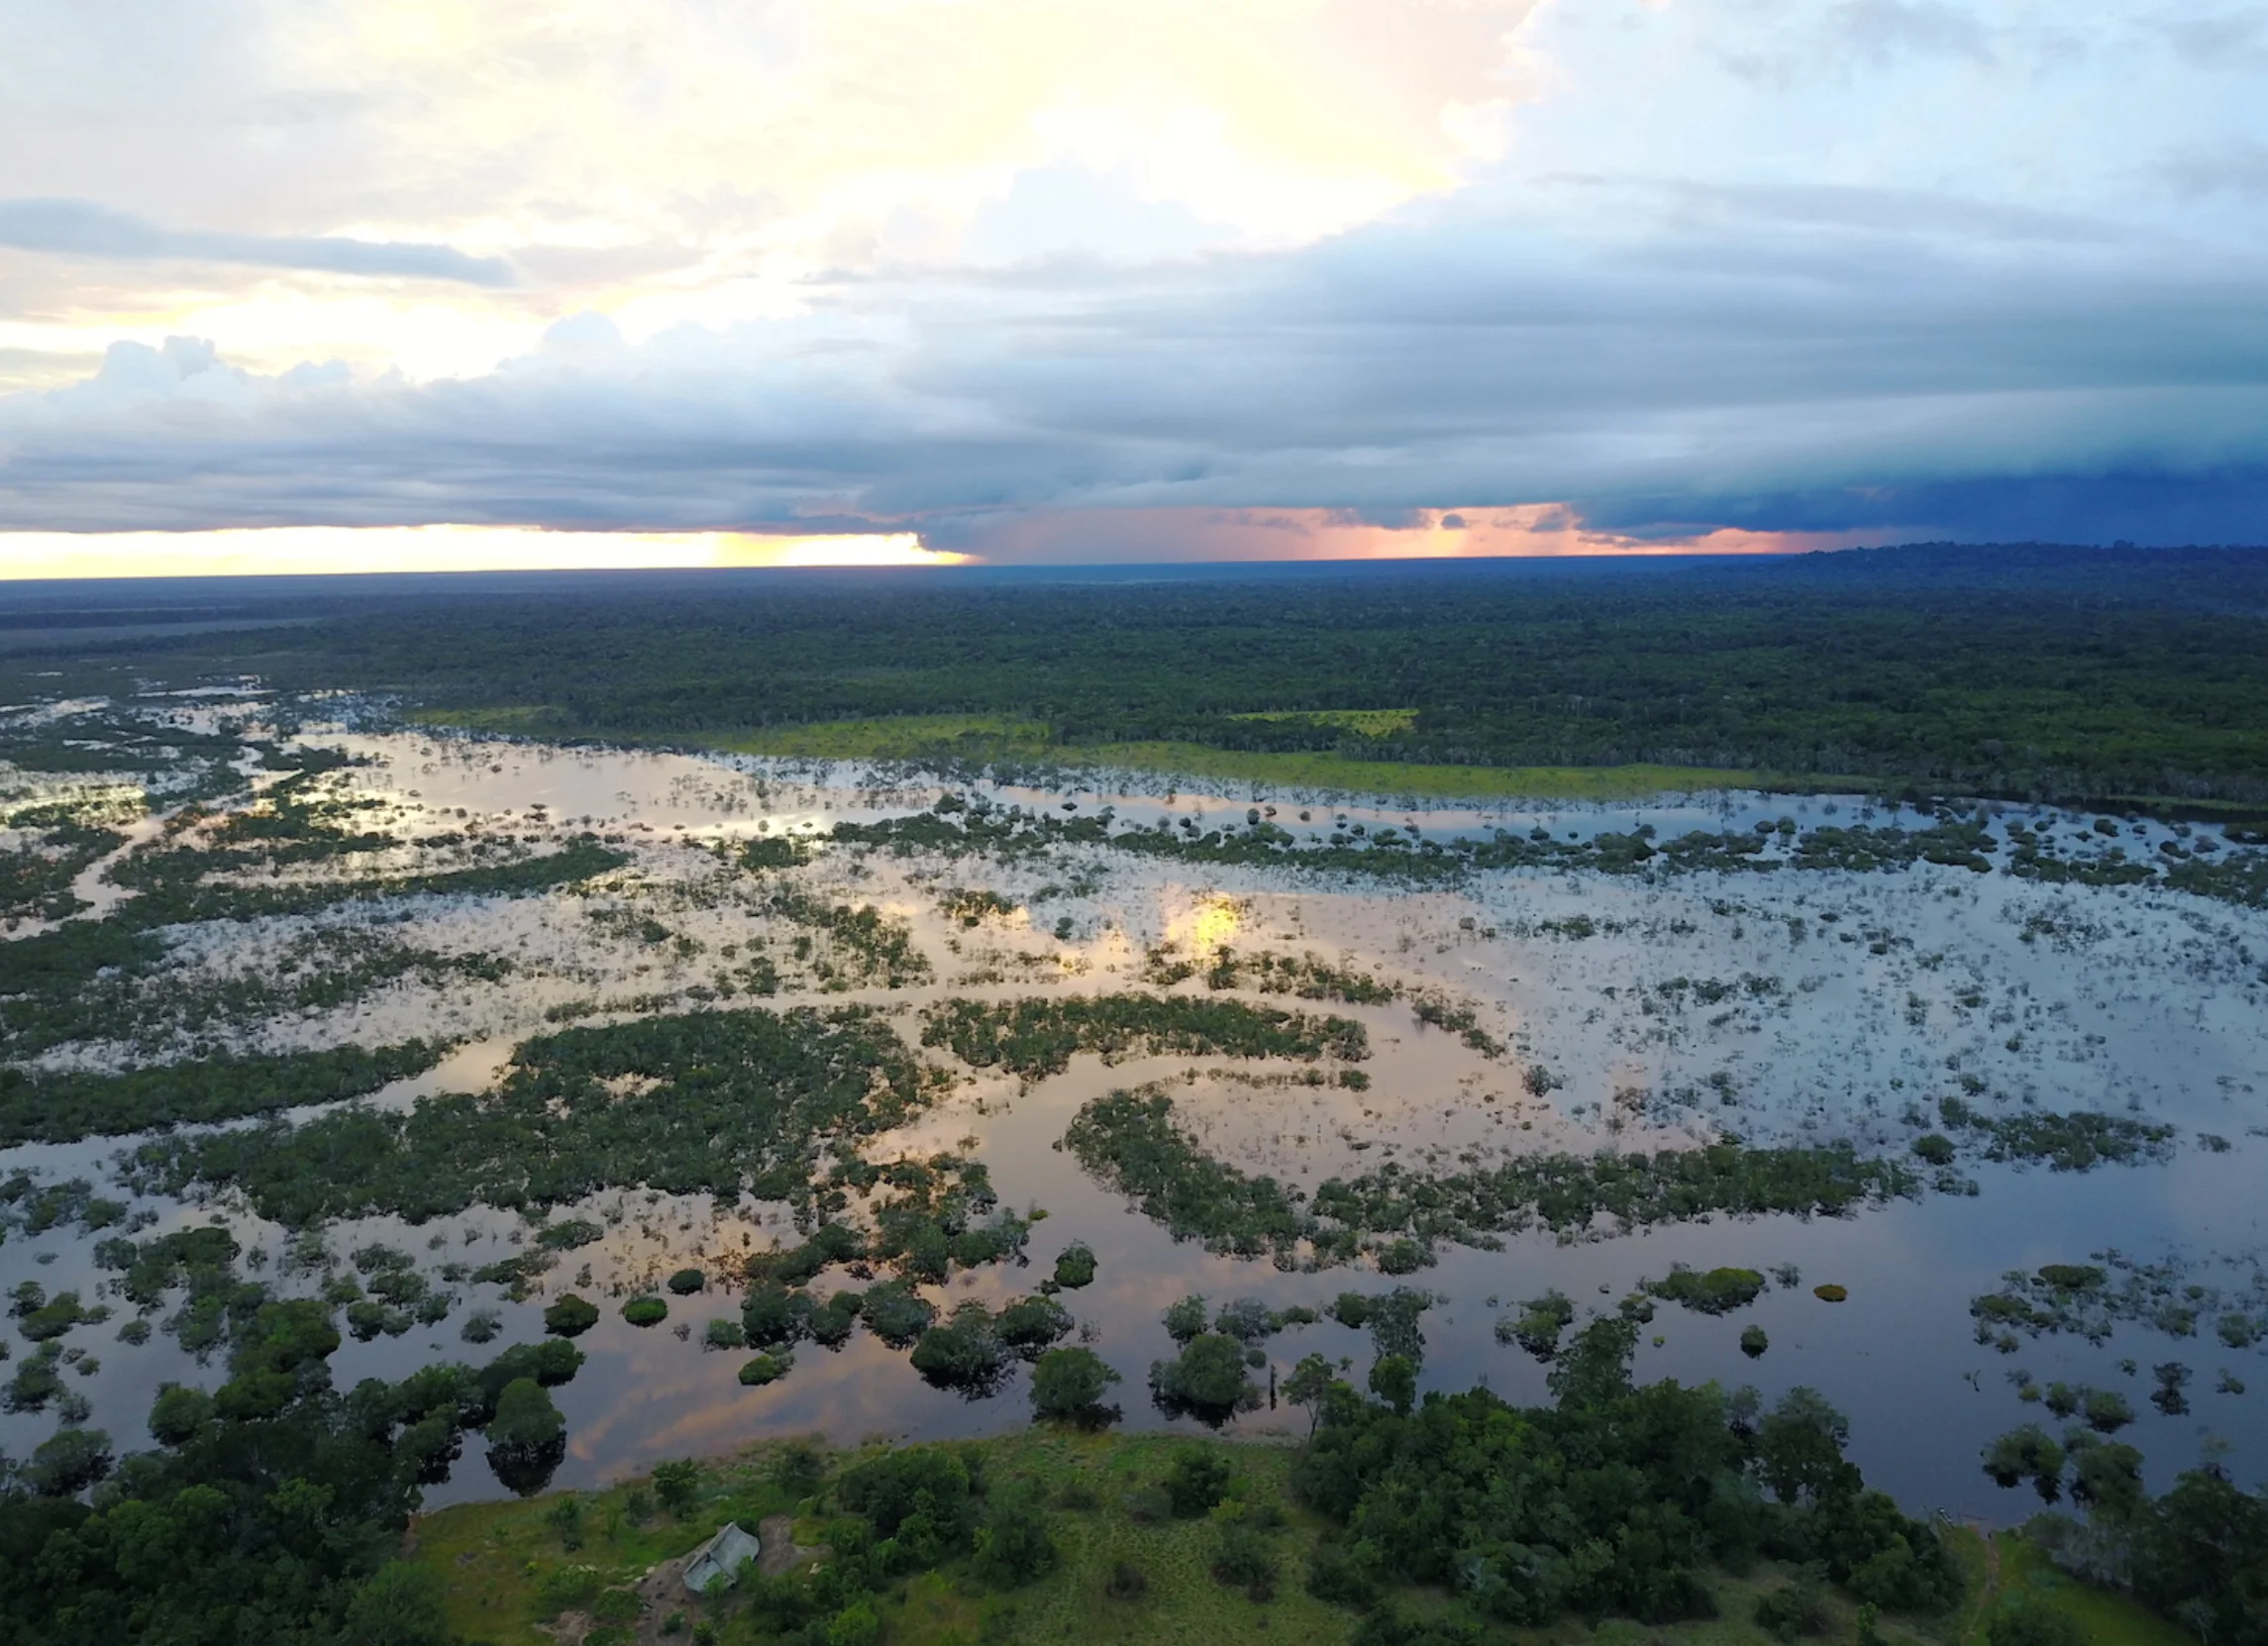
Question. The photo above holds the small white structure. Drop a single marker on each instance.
(720, 1557)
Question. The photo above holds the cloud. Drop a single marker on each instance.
(84, 229)
(2224, 40)
(1789, 378)
(1883, 29)
(1930, 279)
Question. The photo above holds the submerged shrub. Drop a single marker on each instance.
(1540, 1324)
(897, 1314)
(1030, 1324)
(771, 1313)
(1070, 1384)
(1074, 1265)
(2107, 1411)
(965, 1353)
(2027, 1453)
(1206, 1379)
(1719, 1291)
(571, 1316)
(1185, 1320)
(767, 1368)
(829, 1325)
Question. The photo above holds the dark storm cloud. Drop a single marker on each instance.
(86, 229)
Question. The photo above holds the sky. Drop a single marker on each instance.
(365, 285)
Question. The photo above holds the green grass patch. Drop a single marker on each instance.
(2105, 1616)
(1317, 770)
(1365, 722)
(519, 720)
(496, 1559)
(987, 737)
(896, 737)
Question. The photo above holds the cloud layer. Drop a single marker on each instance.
(1986, 271)
(82, 227)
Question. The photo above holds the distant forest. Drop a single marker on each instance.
(2026, 670)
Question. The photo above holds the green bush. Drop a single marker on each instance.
(1070, 1384)
(178, 1413)
(1206, 1379)
(1012, 1542)
(830, 1324)
(571, 1316)
(569, 1588)
(1344, 1575)
(897, 1314)
(771, 1313)
(1196, 1480)
(767, 1368)
(1719, 1291)
(678, 1485)
(1541, 1323)
(1029, 1324)
(2032, 1623)
(2107, 1411)
(1793, 1609)
(685, 1281)
(964, 1353)
(67, 1462)
(1185, 1320)
(2027, 1453)
(646, 1311)
(1394, 1380)
(1242, 1559)
(857, 1624)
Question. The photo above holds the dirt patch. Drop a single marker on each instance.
(660, 1593)
(781, 1553)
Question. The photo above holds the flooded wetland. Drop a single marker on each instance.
(821, 1099)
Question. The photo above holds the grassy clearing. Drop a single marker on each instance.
(2105, 1616)
(996, 736)
(1366, 722)
(896, 737)
(497, 1559)
(519, 720)
(1340, 773)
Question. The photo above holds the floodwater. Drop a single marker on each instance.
(1901, 987)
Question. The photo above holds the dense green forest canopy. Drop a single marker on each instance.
(2023, 671)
